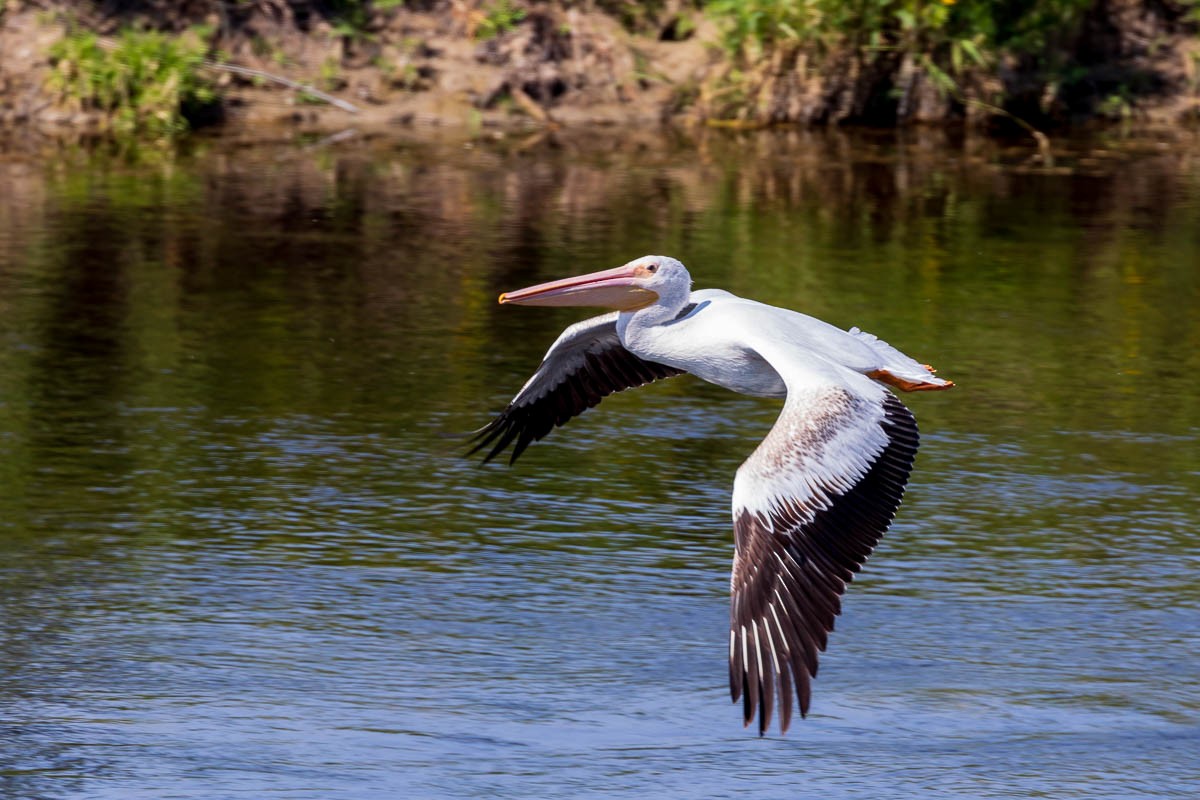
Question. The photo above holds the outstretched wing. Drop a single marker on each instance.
(586, 364)
(809, 506)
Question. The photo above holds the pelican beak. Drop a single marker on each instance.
(610, 288)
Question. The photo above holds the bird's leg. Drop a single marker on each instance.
(906, 385)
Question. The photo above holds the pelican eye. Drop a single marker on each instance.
(652, 268)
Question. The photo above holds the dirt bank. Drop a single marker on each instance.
(462, 65)
(413, 66)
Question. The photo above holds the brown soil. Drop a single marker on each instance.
(409, 69)
(427, 66)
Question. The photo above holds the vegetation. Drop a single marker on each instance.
(499, 18)
(874, 61)
(148, 83)
(942, 37)
(951, 30)
(1072, 53)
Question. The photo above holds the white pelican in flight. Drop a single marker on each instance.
(811, 502)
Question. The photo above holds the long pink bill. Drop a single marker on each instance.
(611, 288)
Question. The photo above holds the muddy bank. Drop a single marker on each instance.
(415, 66)
(455, 65)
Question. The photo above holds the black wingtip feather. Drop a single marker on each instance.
(766, 698)
(785, 698)
(596, 376)
(823, 553)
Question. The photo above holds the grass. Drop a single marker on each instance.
(943, 37)
(147, 83)
(499, 18)
(1022, 26)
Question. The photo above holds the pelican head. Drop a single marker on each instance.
(640, 283)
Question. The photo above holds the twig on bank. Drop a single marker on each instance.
(333, 138)
(108, 43)
(530, 106)
(1043, 141)
(736, 124)
(288, 82)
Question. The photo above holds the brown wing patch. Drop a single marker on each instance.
(791, 567)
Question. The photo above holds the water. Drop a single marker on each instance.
(242, 556)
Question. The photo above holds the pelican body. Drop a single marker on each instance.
(811, 502)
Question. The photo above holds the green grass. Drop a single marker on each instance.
(499, 18)
(146, 82)
(944, 37)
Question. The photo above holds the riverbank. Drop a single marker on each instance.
(474, 67)
(436, 68)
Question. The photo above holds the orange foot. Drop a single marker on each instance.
(906, 385)
(930, 369)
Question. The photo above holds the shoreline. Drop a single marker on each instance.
(421, 71)
(429, 72)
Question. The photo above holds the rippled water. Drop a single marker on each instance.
(242, 556)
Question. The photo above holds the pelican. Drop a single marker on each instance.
(809, 504)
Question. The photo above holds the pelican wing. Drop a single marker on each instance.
(586, 364)
(809, 506)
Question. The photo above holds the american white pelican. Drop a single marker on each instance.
(810, 503)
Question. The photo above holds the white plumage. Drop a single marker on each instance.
(813, 499)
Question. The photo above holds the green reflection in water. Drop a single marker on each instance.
(146, 308)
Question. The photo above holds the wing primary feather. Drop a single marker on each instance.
(735, 677)
(803, 692)
(585, 365)
(751, 675)
(785, 698)
(796, 553)
(800, 642)
(769, 670)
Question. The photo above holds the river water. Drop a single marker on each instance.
(242, 555)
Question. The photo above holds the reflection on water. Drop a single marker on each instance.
(240, 553)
